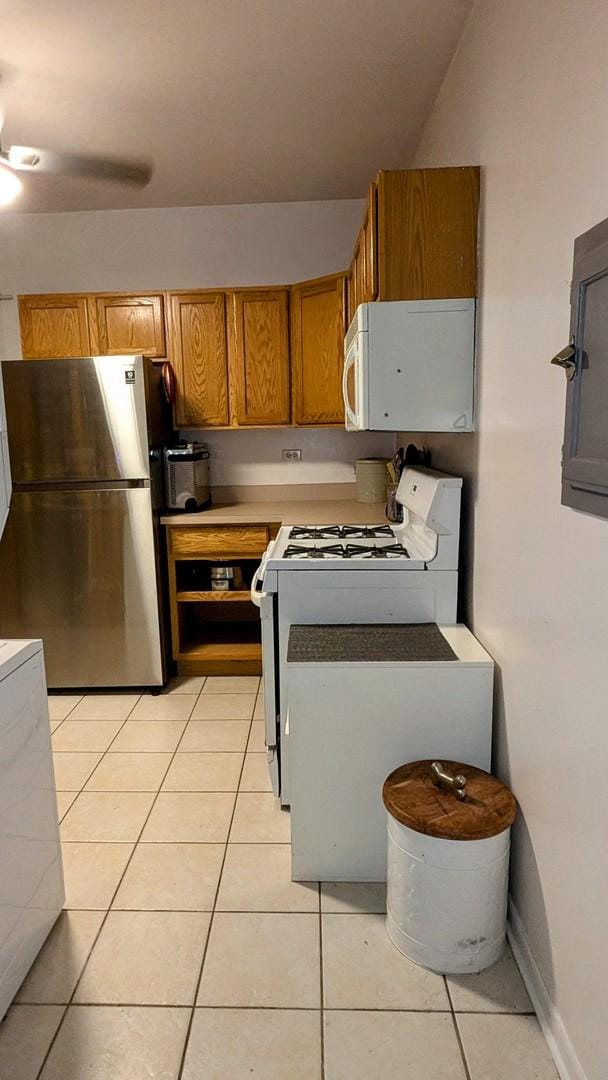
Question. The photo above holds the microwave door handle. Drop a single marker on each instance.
(349, 362)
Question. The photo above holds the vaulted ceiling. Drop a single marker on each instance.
(230, 100)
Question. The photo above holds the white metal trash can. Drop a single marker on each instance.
(449, 828)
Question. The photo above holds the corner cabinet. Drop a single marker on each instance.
(54, 325)
(198, 349)
(317, 350)
(258, 336)
(418, 237)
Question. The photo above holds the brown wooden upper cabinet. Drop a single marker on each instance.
(418, 239)
(199, 353)
(231, 347)
(317, 350)
(85, 324)
(363, 271)
(129, 323)
(54, 325)
(258, 336)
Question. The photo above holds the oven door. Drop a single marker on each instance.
(266, 602)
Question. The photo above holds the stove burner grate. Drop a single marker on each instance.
(388, 551)
(366, 532)
(315, 532)
(330, 551)
(341, 532)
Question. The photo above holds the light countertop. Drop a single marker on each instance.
(296, 512)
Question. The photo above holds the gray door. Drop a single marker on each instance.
(77, 569)
(585, 462)
(76, 420)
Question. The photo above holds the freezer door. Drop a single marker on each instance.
(77, 420)
(77, 569)
(270, 679)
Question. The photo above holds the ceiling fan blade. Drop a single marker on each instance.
(32, 159)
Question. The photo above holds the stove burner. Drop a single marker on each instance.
(315, 532)
(340, 532)
(388, 551)
(330, 551)
(366, 532)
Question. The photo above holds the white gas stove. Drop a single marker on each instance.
(355, 574)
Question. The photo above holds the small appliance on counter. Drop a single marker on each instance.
(372, 478)
(187, 476)
(225, 578)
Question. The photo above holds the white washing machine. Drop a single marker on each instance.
(31, 873)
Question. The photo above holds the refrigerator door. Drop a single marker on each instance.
(77, 569)
(77, 420)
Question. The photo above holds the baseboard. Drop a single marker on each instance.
(558, 1040)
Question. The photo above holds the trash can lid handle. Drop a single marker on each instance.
(456, 784)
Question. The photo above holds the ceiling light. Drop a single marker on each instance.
(10, 185)
(23, 155)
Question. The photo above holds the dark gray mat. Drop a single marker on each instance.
(367, 643)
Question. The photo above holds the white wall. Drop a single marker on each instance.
(193, 247)
(527, 97)
(328, 457)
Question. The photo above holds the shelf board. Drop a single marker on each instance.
(233, 595)
(222, 651)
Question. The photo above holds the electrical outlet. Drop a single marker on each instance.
(291, 455)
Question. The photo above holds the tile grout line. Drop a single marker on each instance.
(113, 897)
(321, 989)
(457, 1030)
(182, 1063)
(63, 718)
(252, 1008)
(102, 923)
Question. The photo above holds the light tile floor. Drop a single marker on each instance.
(187, 953)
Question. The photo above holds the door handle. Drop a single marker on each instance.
(350, 415)
(566, 359)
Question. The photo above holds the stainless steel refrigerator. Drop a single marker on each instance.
(80, 559)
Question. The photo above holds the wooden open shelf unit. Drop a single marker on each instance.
(214, 632)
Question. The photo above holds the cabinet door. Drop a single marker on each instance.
(362, 284)
(197, 335)
(259, 352)
(351, 294)
(317, 350)
(366, 251)
(54, 326)
(126, 323)
(427, 233)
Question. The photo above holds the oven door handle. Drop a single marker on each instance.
(257, 591)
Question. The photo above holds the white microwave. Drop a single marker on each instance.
(409, 365)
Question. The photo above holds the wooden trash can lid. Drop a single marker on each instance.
(413, 796)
